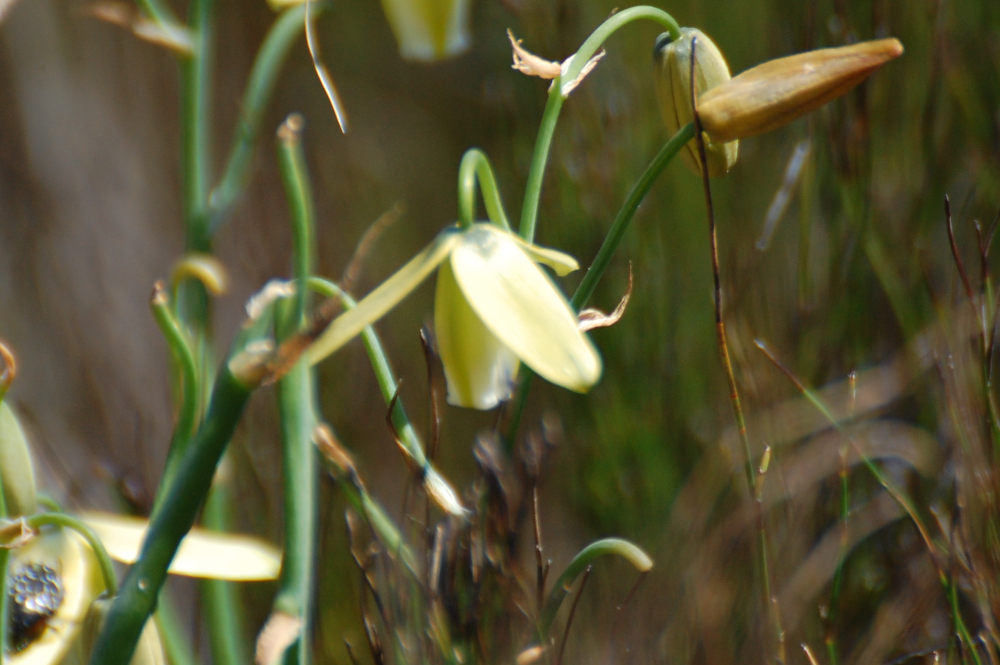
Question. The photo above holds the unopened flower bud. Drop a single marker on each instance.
(673, 84)
(778, 91)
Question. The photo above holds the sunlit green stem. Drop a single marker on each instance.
(585, 557)
(259, 89)
(475, 166)
(590, 46)
(296, 405)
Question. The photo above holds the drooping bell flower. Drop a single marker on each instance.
(494, 308)
(429, 30)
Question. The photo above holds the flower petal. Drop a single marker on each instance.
(519, 304)
(386, 296)
(201, 554)
(429, 30)
(479, 369)
(561, 262)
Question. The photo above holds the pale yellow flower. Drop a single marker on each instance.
(494, 307)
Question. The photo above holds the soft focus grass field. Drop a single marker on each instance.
(854, 277)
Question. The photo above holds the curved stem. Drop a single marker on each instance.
(187, 369)
(614, 23)
(259, 89)
(584, 558)
(97, 547)
(476, 166)
(590, 46)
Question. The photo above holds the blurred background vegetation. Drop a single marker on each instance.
(855, 274)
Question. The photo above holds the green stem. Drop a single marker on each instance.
(434, 482)
(590, 46)
(585, 557)
(259, 90)
(475, 165)
(603, 257)
(296, 407)
(627, 213)
(539, 157)
(295, 176)
(224, 613)
(187, 370)
(175, 640)
(168, 525)
(196, 81)
(69, 522)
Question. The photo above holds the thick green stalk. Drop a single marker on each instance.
(172, 520)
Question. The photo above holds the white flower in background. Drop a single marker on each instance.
(494, 307)
(429, 30)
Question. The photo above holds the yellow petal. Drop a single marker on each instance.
(429, 30)
(201, 554)
(778, 91)
(521, 306)
(479, 369)
(560, 262)
(386, 296)
(75, 568)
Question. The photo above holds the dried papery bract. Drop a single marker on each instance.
(776, 92)
(673, 83)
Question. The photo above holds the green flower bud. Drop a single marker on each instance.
(16, 470)
(672, 84)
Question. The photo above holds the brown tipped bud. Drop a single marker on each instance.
(778, 91)
(673, 93)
